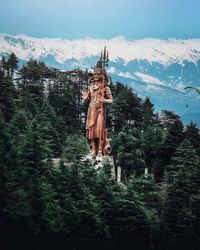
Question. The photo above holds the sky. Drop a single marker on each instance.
(73, 19)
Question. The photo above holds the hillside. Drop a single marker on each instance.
(156, 68)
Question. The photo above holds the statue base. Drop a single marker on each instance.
(100, 161)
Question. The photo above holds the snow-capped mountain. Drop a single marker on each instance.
(152, 67)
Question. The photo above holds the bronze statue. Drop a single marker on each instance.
(98, 94)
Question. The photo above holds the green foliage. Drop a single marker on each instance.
(172, 137)
(128, 152)
(75, 147)
(72, 205)
(152, 138)
(121, 111)
(192, 133)
(7, 95)
(183, 180)
(148, 116)
(12, 64)
(5, 161)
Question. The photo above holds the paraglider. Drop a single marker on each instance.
(196, 89)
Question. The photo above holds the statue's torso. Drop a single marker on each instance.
(97, 91)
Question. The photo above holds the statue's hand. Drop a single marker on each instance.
(103, 100)
(85, 94)
(106, 100)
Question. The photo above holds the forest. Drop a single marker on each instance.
(70, 204)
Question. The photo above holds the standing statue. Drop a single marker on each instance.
(98, 94)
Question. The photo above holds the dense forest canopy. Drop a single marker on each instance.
(71, 205)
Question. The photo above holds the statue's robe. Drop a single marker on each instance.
(96, 116)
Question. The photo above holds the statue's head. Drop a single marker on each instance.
(99, 64)
(99, 74)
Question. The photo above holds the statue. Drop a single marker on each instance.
(98, 94)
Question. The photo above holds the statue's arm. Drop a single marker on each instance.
(108, 96)
(86, 95)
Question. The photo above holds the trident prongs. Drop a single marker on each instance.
(101, 57)
(104, 58)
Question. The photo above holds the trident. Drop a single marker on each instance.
(104, 58)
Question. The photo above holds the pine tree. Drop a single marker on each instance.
(75, 147)
(17, 128)
(173, 136)
(183, 180)
(12, 64)
(149, 118)
(87, 227)
(122, 111)
(129, 225)
(32, 84)
(152, 138)
(15, 201)
(48, 130)
(65, 95)
(5, 148)
(192, 132)
(7, 94)
(146, 190)
(31, 157)
(147, 193)
(128, 152)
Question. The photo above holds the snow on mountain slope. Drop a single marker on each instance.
(148, 78)
(150, 49)
(156, 68)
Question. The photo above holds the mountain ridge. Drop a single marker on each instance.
(163, 51)
(160, 69)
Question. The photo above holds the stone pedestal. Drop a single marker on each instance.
(146, 172)
(103, 160)
(119, 174)
(99, 161)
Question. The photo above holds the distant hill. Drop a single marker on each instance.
(156, 68)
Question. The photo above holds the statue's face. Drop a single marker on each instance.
(97, 75)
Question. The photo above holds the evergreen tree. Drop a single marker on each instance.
(128, 152)
(7, 95)
(173, 136)
(71, 204)
(183, 179)
(147, 193)
(48, 129)
(192, 132)
(5, 148)
(129, 225)
(75, 147)
(152, 138)
(18, 127)
(122, 111)
(12, 64)
(149, 118)
(32, 85)
(88, 228)
(62, 97)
